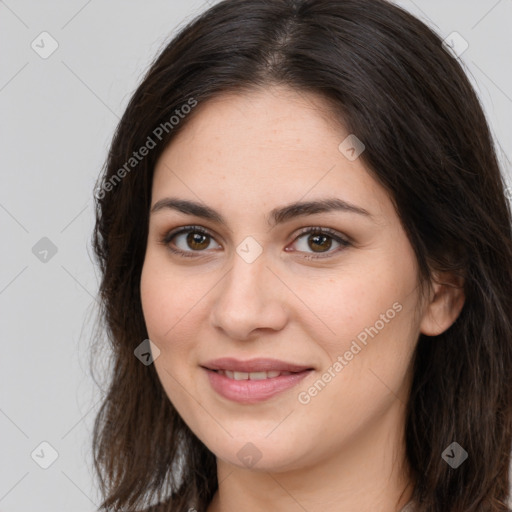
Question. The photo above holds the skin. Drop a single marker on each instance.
(244, 155)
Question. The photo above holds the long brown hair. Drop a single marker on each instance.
(391, 82)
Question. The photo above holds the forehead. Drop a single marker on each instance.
(266, 145)
(274, 115)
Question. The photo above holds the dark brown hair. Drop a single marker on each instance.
(390, 82)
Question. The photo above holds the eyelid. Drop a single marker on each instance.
(343, 240)
(336, 235)
(177, 231)
(168, 236)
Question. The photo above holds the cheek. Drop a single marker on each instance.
(372, 330)
(157, 300)
(169, 316)
(167, 300)
(367, 360)
(361, 301)
(175, 305)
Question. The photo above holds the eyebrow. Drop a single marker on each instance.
(277, 215)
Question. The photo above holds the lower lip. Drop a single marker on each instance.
(253, 391)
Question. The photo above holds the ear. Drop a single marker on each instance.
(444, 304)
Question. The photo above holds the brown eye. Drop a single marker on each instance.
(197, 241)
(188, 241)
(320, 240)
(319, 243)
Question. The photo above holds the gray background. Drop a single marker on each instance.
(58, 117)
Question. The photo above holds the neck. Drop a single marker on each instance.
(366, 473)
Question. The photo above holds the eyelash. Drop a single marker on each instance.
(166, 240)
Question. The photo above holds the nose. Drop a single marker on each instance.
(248, 299)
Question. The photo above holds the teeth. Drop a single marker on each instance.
(261, 375)
(252, 375)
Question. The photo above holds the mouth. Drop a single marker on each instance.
(257, 365)
(252, 375)
(253, 381)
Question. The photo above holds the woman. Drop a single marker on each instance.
(303, 211)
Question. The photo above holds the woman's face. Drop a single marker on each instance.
(262, 279)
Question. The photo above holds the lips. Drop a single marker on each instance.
(254, 365)
(252, 375)
(255, 380)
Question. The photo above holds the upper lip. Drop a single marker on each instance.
(254, 365)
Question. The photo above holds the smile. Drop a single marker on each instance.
(251, 375)
(253, 387)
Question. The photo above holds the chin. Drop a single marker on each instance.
(262, 455)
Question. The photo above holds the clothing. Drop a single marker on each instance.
(409, 507)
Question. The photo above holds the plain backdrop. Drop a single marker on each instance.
(58, 114)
